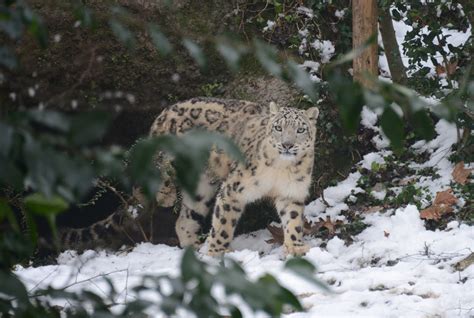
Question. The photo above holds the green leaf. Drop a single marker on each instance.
(11, 22)
(393, 127)
(13, 288)
(84, 14)
(159, 40)
(267, 56)
(51, 119)
(122, 33)
(142, 168)
(8, 58)
(196, 52)
(35, 26)
(231, 53)
(191, 267)
(235, 312)
(96, 124)
(10, 174)
(6, 212)
(305, 270)
(374, 100)
(287, 297)
(302, 80)
(32, 228)
(6, 139)
(349, 99)
(191, 154)
(354, 52)
(38, 204)
(276, 295)
(423, 125)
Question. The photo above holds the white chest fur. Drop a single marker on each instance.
(279, 180)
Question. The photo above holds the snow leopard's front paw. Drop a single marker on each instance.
(216, 249)
(296, 250)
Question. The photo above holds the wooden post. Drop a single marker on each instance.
(364, 25)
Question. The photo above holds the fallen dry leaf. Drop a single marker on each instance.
(329, 225)
(461, 174)
(435, 212)
(313, 229)
(451, 69)
(442, 205)
(277, 234)
(445, 197)
(373, 209)
(440, 69)
(386, 234)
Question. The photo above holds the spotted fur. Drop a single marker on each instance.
(279, 147)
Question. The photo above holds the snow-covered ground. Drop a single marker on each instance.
(394, 268)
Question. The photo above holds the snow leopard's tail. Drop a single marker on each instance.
(122, 227)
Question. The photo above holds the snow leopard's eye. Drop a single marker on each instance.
(301, 130)
(277, 128)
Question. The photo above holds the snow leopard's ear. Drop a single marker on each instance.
(274, 108)
(312, 113)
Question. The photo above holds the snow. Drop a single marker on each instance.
(313, 68)
(326, 49)
(334, 197)
(305, 11)
(368, 118)
(270, 26)
(371, 158)
(440, 149)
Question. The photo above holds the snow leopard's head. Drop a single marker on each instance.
(292, 130)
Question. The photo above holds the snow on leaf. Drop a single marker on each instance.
(461, 174)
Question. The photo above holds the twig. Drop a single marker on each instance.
(107, 185)
(37, 284)
(126, 286)
(80, 81)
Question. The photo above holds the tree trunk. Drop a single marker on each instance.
(394, 59)
(364, 25)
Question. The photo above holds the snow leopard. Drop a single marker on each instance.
(278, 144)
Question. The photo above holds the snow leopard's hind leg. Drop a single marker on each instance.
(167, 195)
(194, 211)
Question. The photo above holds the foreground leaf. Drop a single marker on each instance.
(392, 126)
(305, 270)
(41, 205)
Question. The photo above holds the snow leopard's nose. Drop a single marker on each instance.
(287, 145)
